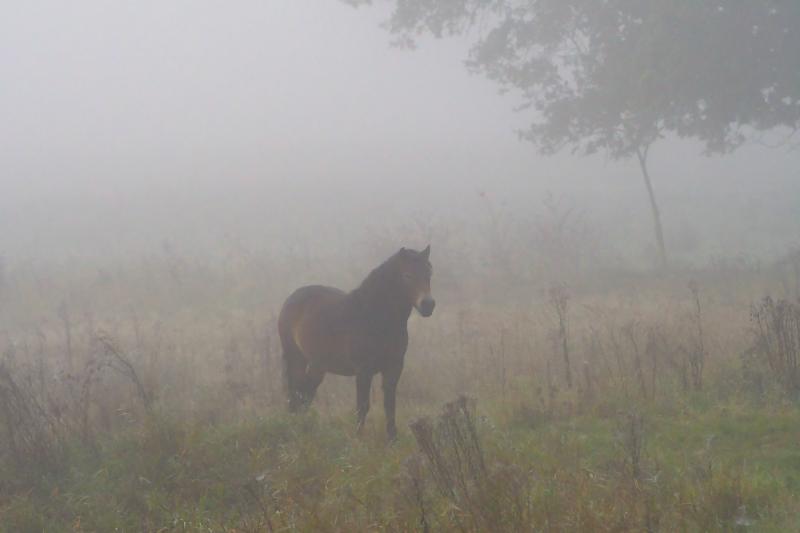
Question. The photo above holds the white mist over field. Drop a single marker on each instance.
(283, 124)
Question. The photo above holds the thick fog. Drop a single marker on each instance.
(286, 124)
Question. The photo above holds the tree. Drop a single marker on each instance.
(615, 76)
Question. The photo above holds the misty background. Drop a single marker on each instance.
(294, 129)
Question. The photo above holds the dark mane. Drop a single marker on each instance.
(377, 294)
(378, 277)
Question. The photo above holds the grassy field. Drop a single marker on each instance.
(685, 467)
(150, 399)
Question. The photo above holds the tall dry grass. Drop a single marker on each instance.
(167, 344)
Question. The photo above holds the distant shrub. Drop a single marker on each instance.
(777, 341)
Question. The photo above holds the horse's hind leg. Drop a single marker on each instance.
(311, 382)
(363, 386)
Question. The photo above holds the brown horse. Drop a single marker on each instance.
(359, 333)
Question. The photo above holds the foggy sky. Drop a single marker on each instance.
(191, 113)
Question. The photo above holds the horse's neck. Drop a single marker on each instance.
(382, 308)
(391, 314)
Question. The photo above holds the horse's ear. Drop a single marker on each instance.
(426, 253)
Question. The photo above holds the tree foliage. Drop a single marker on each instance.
(616, 75)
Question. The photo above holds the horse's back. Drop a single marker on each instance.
(311, 294)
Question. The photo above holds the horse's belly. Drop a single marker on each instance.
(342, 370)
(327, 353)
(332, 341)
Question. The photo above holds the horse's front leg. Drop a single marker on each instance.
(390, 379)
(363, 385)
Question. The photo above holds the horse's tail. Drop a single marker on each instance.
(285, 355)
(292, 359)
(284, 371)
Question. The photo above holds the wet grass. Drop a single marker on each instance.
(721, 467)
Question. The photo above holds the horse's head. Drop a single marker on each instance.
(415, 272)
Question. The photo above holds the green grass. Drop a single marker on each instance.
(719, 467)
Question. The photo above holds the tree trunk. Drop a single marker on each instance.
(641, 155)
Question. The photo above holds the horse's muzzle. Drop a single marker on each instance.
(426, 307)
